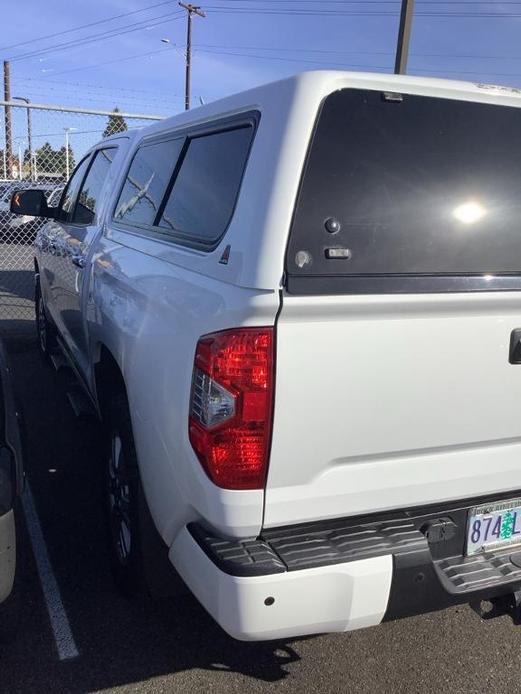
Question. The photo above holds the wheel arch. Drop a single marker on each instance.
(108, 378)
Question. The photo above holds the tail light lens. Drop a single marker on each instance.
(231, 406)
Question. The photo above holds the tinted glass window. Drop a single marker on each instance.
(202, 199)
(71, 191)
(88, 199)
(146, 182)
(417, 186)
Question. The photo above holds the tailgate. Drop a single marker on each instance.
(392, 402)
(394, 387)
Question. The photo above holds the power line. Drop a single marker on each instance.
(285, 49)
(295, 60)
(223, 9)
(388, 2)
(291, 50)
(111, 33)
(86, 85)
(111, 62)
(87, 95)
(332, 64)
(85, 26)
(384, 2)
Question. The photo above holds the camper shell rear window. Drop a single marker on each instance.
(408, 193)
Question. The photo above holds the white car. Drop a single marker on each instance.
(297, 311)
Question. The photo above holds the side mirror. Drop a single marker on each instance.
(31, 202)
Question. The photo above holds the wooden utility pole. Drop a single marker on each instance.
(404, 36)
(8, 122)
(190, 10)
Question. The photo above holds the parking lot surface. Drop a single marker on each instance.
(96, 640)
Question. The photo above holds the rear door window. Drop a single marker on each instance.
(414, 186)
(88, 200)
(71, 191)
(147, 181)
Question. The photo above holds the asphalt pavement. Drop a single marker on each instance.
(78, 635)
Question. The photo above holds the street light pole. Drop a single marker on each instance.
(67, 131)
(20, 162)
(29, 136)
(190, 10)
(67, 156)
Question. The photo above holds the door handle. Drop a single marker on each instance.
(514, 355)
(78, 260)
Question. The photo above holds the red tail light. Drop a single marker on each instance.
(231, 406)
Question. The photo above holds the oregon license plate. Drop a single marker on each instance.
(494, 526)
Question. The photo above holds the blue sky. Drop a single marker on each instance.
(236, 47)
(241, 43)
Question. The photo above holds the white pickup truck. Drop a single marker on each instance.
(297, 311)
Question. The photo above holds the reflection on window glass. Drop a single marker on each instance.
(54, 195)
(72, 189)
(146, 182)
(92, 187)
(204, 193)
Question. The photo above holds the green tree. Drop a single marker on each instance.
(62, 163)
(53, 161)
(47, 159)
(115, 124)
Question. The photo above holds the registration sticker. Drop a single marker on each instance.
(494, 526)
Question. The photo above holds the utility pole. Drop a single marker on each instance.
(404, 36)
(190, 10)
(29, 136)
(8, 121)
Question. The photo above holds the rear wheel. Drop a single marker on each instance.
(122, 499)
(139, 555)
(44, 328)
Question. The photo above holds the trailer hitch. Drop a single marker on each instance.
(498, 607)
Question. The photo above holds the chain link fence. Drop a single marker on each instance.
(39, 147)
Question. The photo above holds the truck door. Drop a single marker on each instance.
(77, 230)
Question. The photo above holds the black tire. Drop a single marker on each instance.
(45, 330)
(139, 556)
(123, 499)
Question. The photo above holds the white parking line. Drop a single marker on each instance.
(61, 628)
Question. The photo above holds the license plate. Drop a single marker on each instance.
(494, 526)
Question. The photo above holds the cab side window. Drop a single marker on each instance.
(88, 200)
(203, 195)
(147, 181)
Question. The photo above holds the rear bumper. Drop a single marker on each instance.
(342, 575)
(282, 605)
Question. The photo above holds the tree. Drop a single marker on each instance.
(53, 161)
(115, 124)
(47, 159)
(61, 159)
